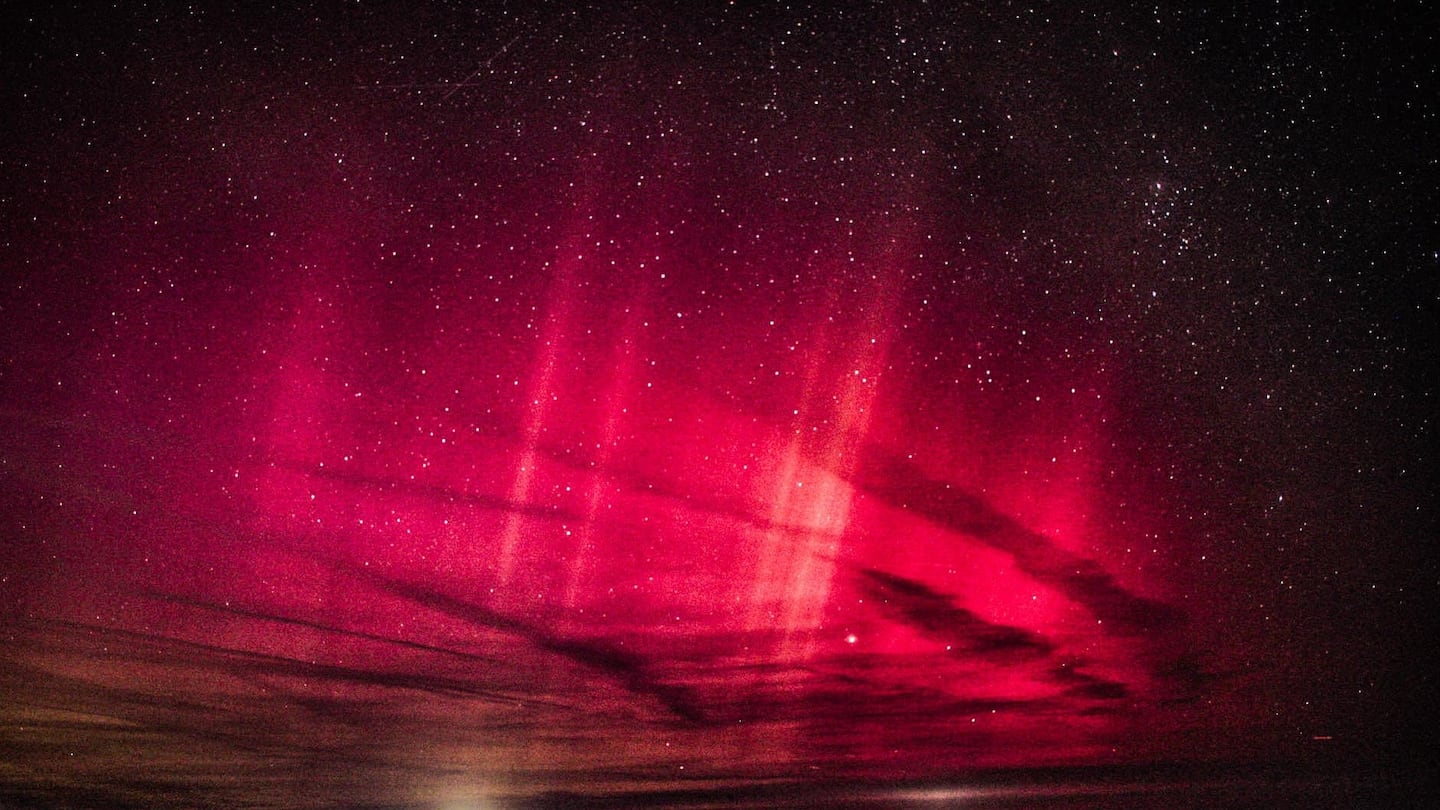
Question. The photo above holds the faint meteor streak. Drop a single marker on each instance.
(468, 80)
(450, 88)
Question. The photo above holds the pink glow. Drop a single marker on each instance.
(687, 398)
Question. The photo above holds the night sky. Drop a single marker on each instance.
(446, 406)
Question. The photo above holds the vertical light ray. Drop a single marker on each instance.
(541, 387)
(774, 592)
(539, 393)
(310, 397)
(598, 482)
(795, 570)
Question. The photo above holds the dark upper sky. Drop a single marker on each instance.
(426, 407)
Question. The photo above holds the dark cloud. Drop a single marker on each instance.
(276, 618)
(626, 668)
(438, 493)
(904, 485)
(1082, 685)
(938, 617)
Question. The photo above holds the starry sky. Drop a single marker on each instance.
(455, 405)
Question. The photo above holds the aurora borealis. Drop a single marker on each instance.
(465, 406)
